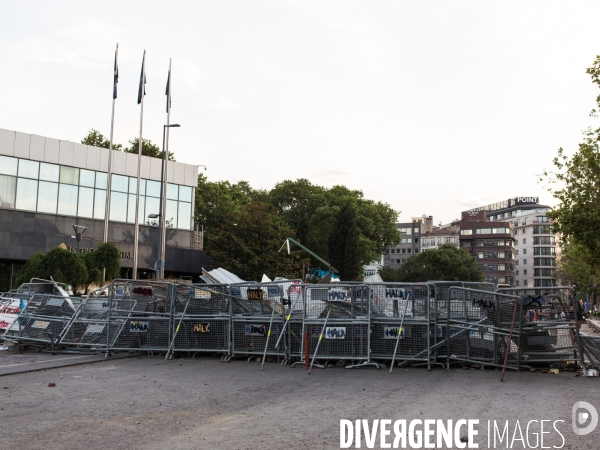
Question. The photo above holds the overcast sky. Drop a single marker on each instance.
(433, 107)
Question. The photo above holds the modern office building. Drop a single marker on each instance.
(492, 243)
(410, 241)
(440, 235)
(48, 185)
(535, 246)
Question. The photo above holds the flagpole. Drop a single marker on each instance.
(110, 155)
(137, 196)
(163, 231)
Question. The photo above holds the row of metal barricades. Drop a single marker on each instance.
(438, 323)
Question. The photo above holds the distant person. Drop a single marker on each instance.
(586, 306)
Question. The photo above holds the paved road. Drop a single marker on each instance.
(201, 403)
(13, 363)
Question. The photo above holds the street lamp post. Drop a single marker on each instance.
(160, 269)
(79, 230)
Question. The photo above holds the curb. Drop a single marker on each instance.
(78, 363)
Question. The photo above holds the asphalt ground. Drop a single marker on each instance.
(204, 404)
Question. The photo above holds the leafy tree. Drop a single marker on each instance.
(108, 256)
(389, 274)
(297, 201)
(309, 209)
(577, 266)
(248, 241)
(148, 148)
(575, 182)
(343, 244)
(447, 262)
(34, 268)
(215, 201)
(97, 139)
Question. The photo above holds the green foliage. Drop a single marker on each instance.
(148, 149)
(34, 268)
(343, 244)
(247, 244)
(447, 262)
(97, 139)
(64, 266)
(577, 266)
(310, 210)
(67, 267)
(389, 274)
(577, 181)
(108, 256)
(216, 201)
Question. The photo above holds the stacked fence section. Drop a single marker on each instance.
(400, 322)
(90, 328)
(549, 326)
(483, 327)
(257, 316)
(45, 319)
(337, 320)
(202, 315)
(143, 316)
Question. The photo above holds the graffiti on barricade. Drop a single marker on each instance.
(392, 333)
(486, 304)
(138, 327)
(201, 328)
(255, 294)
(335, 332)
(41, 324)
(147, 292)
(9, 310)
(273, 291)
(529, 301)
(255, 330)
(395, 293)
(336, 294)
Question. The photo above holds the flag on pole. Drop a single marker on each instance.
(116, 77)
(168, 91)
(142, 88)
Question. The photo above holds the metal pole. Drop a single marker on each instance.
(161, 212)
(163, 236)
(137, 197)
(110, 160)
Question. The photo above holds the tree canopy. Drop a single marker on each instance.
(65, 266)
(575, 183)
(447, 262)
(247, 243)
(343, 244)
(308, 211)
(97, 139)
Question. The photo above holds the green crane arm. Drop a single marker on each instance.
(314, 255)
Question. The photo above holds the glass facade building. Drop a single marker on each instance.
(48, 185)
(55, 189)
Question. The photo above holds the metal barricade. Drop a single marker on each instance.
(202, 314)
(439, 313)
(549, 326)
(483, 328)
(44, 320)
(400, 322)
(90, 328)
(144, 316)
(337, 320)
(257, 318)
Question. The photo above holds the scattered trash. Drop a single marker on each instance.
(51, 384)
(3, 348)
(555, 371)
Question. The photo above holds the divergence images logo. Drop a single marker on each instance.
(579, 418)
